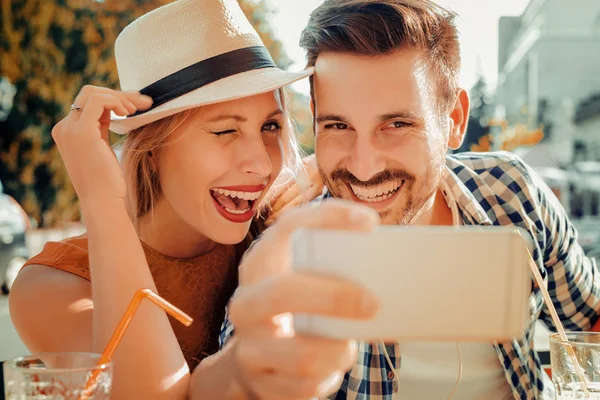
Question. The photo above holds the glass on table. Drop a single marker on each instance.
(576, 365)
(56, 376)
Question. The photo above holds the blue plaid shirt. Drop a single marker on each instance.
(499, 189)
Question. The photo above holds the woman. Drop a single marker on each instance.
(207, 137)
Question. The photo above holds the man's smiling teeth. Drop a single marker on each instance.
(375, 194)
(239, 195)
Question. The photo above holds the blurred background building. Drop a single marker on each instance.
(545, 106)
(548, 74)
(549, 83)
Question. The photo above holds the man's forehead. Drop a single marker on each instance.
(355, 66)
(398, 80)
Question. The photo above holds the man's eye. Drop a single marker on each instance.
(399, 124)
(336, 125)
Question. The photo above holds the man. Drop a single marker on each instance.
(387, 108)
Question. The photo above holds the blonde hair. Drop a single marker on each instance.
(141, 150)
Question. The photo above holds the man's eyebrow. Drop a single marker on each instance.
(331, 117)
(399, 114)
(382, 117)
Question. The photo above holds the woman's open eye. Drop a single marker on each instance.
(272, 126)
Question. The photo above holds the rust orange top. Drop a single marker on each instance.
(199, 286)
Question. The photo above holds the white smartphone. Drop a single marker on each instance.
(434, 283)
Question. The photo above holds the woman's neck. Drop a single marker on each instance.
(164, 231)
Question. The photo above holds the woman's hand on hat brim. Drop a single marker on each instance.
(82, 139)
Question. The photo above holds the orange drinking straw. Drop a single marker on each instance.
(124, 323)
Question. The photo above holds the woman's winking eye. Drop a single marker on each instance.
(271, 127)
(220, 133)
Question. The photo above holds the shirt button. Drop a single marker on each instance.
(390, 375)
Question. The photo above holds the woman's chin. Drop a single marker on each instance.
(229, 233)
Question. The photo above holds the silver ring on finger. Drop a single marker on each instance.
(75, 108)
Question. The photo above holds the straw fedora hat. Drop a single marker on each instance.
(191, 53)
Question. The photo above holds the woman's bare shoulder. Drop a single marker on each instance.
(51, 309)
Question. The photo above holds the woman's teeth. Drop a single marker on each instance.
(229, 210)
(235, 202)
(378, 193)
(239, 195)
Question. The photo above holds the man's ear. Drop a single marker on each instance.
(459, 118)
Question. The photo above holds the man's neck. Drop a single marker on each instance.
(437, 212)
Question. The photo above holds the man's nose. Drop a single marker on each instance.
(365, 160)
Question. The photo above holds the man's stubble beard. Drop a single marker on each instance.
(412, 214)
(405, 213)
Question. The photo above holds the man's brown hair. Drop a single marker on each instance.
(377, 27)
